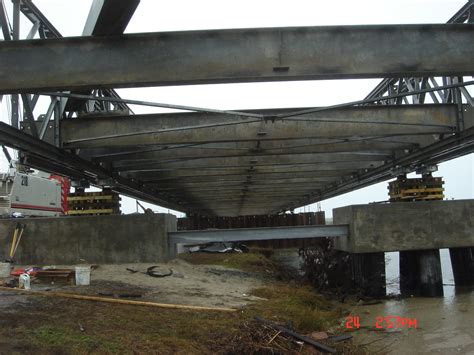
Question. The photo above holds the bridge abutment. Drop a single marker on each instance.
(417, 230)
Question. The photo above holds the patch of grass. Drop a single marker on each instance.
(300, 305)
(127, 329)
(63, 337)
(250, 262)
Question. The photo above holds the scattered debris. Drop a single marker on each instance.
(32, 271)
(54, 275)
(81, 328)
(327, 268)
(339, 338)
(219, 248)
(295, 335)
(319, 335)
(151, 271)
(17, 234)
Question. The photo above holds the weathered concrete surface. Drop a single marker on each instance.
(90, 239)
(406, 226)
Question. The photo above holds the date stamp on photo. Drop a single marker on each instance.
(384, 322)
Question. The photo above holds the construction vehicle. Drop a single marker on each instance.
(27, 193)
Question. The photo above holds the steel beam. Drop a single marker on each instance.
(286, 159)
(450, 147)
(46, 29)
(40, 154)
(250, 181)
(189, 128)
(242, 55)
(391, 85)
(234, 190)
(257, 177)
(108, 17)
(246, 149)
(4, 23)
(335, 166)
(247, 234)
(225, 173)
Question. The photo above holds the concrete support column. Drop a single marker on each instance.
(462, 261)
(409, 273)
(368, 271)
(431, 278)
(420, 273)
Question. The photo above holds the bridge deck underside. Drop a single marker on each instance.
(227, 164)
(242, 166)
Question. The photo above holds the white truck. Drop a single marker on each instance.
(29, 194)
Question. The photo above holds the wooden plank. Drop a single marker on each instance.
(89, 198)
(98, 211)
(114, 300)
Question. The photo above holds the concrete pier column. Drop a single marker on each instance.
(462, 261)
(409, 273)
(368, 270)
(420, 273)
(431, 278)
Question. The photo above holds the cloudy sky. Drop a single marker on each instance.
(152, 16)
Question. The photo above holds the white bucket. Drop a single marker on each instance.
(5, 269)
(83, 275)
(24, 281)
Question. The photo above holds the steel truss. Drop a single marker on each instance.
(271, 161)
(383, 93)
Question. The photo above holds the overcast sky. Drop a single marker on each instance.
(152, 16)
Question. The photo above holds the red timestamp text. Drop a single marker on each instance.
(384, 322)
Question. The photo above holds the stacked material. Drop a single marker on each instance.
(93, 203)
(418, 189)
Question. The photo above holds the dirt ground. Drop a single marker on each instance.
(32, 324)
(199, 285)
